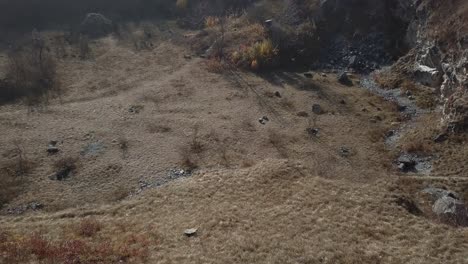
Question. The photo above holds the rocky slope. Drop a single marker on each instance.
(430, 37)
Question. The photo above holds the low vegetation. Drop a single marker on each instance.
(25, 248)
(31, 74)
(13, 172)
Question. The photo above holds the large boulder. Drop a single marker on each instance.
(428, 76)
(96, 25)
(451, 210)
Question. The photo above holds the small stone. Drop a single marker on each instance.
(317, 109)
(345, 152)
(312, 131)
(135, 109)
(263, 120)
(52, 147)
(406, 164)
(188, 57)
(52, 150)
(342, 101)
(191, 232)
(390, 133)
(277, 94)
(302, 114)
(344, 79)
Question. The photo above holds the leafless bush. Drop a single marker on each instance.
(31, 74)
(88, 228)
(190, 152)
(195, 145)
(64, 167)
(123, 145)
(12, 174)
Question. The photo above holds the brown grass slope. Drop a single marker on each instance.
(274, 212)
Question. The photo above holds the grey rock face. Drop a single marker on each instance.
(451, 210)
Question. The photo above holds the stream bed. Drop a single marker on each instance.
(406, 162)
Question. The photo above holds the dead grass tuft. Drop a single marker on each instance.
(277, 140)
(157, 128)
(35, 247)
(88, 228)
(214, 65)
(12, 174)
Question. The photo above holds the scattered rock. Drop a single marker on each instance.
(317, 109)
(313, 132)
(277, 94)
(451, 210)
(345, 152)
(52, 148)
(342, 101)
(406, 164)
(33, 206)
(96, 25)
(135, 109)
(410, 162)
(191, 232)
(344, 79)
(263, 120)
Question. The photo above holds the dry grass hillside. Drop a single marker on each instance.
(148, 142)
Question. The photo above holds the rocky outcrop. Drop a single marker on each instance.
(439, 44)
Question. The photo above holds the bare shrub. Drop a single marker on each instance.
(123, 144)
(190, 152)
(31, 73)
(12, 174)
(196, 145)
(187, 159)
(88, 228)
(277, 140)
(418, 146)
(214, 65)
(64, 167)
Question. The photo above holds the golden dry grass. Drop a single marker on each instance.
(261, 193)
